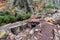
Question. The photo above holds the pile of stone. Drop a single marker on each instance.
(38, 28)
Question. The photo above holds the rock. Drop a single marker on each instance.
(33, 20)
(32, 31)
(56, 16)
(58, 11)
(36, 29)
(57, 21)
(12, 36)
(51, 11)
(49, 19)
(3, 34)
(38, 16)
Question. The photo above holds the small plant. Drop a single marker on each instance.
(6, 19)
(51, 6)
(20, 17)
(26, 16)
(1, 19)
(7, 13)
(12, 19)
(3, 13)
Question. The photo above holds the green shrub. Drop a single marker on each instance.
(1, 19)
(9, 19)
(26, 16)
(3, 13)
(7, 13)
(51, 6)
(12, 18)
(19, 17)
(6, 19)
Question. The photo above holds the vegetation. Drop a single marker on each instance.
(6, 17)
(51, 6)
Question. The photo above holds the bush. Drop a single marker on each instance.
(51, 6)
(9, 19)
(4, 13)
(6, 19)
(26, 16)
(1, 19)
(12, 19)
(19, 17)
(7, 13)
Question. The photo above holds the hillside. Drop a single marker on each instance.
(29, 20)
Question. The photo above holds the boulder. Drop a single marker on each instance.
(3, 34)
